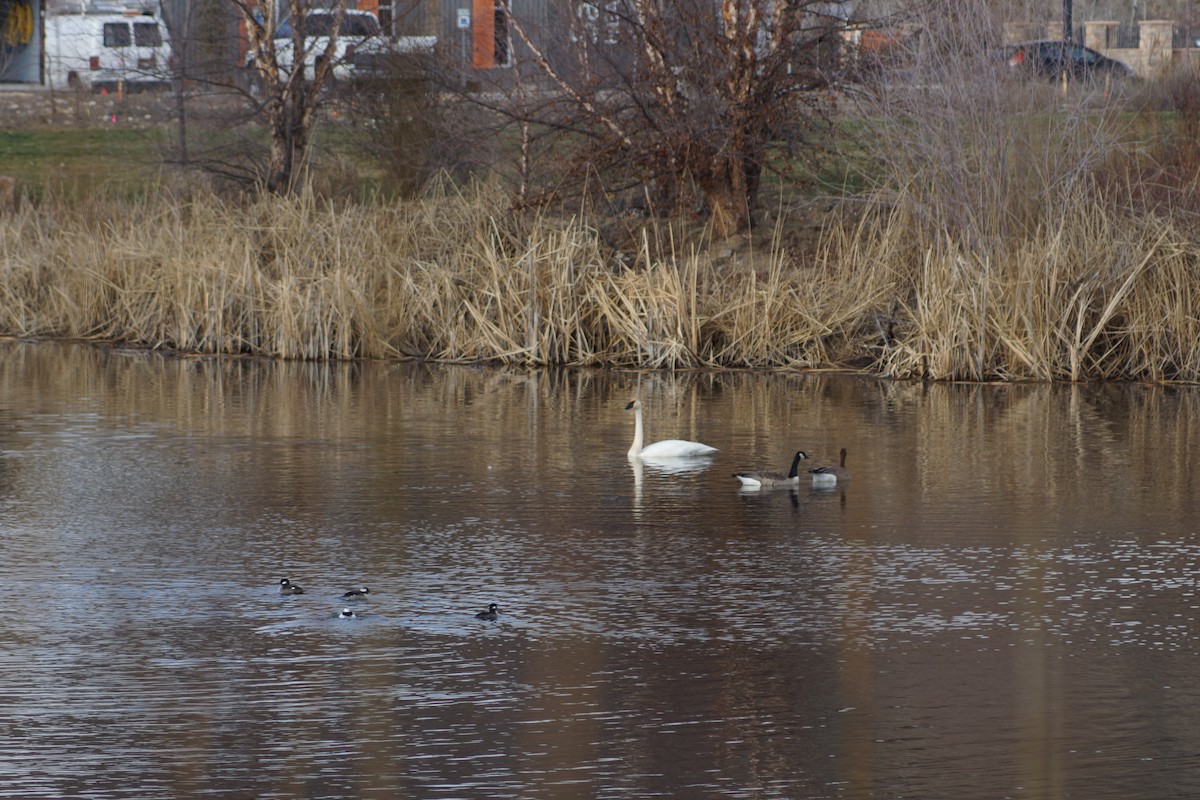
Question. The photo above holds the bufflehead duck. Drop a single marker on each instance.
(347, 614)
(492, 612)
(287, 587)
(357, 593)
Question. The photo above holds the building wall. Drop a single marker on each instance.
(481, 44)
(1154, 54)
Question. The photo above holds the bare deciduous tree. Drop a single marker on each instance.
(290, 95)
(687, 96)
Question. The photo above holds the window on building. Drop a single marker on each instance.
(500, 34)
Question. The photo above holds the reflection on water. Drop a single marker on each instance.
(1000, 603)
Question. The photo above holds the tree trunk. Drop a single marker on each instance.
(181, 118)
(279, 168)
(291, 123)
(279, 171)
(291, 100)
(729, 209)
(726, 186)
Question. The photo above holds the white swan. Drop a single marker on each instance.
(667, 448)
(762, 480)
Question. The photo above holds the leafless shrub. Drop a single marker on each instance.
(686, 98)
(1160, 173)
(971, 153)
(416, 131)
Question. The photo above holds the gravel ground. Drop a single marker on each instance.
(25, 109)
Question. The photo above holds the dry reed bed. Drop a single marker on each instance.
(1099, 296)
(1095, 297)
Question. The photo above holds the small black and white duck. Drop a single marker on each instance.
(287, 587)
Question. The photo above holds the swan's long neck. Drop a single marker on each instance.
(636, 450)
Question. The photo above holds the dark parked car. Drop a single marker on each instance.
(1050, 57)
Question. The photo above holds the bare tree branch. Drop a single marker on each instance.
(690, 95)
(290, 98)
(564, 86)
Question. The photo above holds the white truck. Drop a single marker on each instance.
(362, 49)
(107, 50)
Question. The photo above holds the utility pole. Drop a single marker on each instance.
(1066, 46)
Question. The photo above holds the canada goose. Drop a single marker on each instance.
(287, 587)
(667, 448)
(829, 476)
(355, 594)
(492, 612)
(759, 480)
(347, 614)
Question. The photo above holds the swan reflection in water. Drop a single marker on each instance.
(674, 466)
(663, 466)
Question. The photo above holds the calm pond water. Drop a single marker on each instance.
(1000, 603)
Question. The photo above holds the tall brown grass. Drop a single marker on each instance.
(1092, 295)
(448, 277)
(1097, 296)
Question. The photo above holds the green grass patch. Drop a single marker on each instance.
(82, 162)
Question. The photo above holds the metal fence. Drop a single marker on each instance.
(1183, 36)
(1128, 35)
